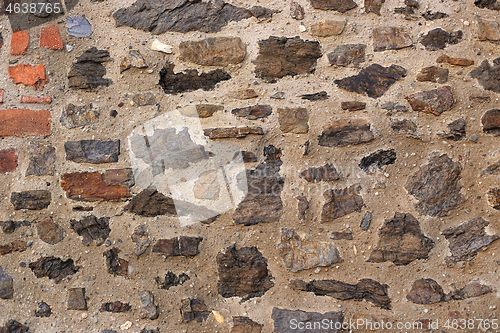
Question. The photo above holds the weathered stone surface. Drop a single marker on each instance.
(243, 273)
(434, 101)
(151, 203)
(148, 306)
(454, 61)
(488, 30)
(353, 105)
(8, 160)
(366, 221)
(488, 76)
(115, 265)
(337, 5)
(293, 120)
(245, 325)
(29, 75)
(377, 160)
(319, 96)
(232, 132)
(473, 289)
(390, 38)
(282, 319)
(77, 299)
(25, 122)
(302, 206)
(367, 289)
(344, 234)
(51, 38)
(92, 151)
(457, 130)
(282, 56)
(403, 126)
(346, 132)
(253, 112)
(43, 311)
(296, 11)
(491, 122)
(408, 12)
(91, 229)
(433, 74)
(466, 239)
(49, 231)
(431, 16)
(115, 307)
(14, 246)
(373, 6)
(53, 268)
(327, 28)
(301, 253)
(393, 106)
(6, 285)
(78, 116)
(490, 4)
(438, 39)
(207, 186)
(243, 94)
(144, 99)
(9, 227)
(201, 110)
(19, 42)
(171, 280)
(373, 80)
(341, 202)
(42, 159)
(178, 246)
(493, 169)
(89, 186)
(436, 186)
(194, 309)
(135, 59)
(122, 177)
(32, 200)
(401, 241)
(88, 71)
(348, 55)
(189, 80)
(13, 326)
(323, 173)
(213, 51)
(425, 291)
(140, 238)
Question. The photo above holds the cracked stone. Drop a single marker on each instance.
(488, 30)
(493, 169)
(488, 76)
(178, 246)
(253, 112)
(50, 232)
(115, 265)
(344, 234)
(346, 132)
(434, 101)
(293, 120)
(374, 6)
(194, 309)
(245, 325)
(454, 61)
(32, 200)
(377, 160)
(25, 122)
(341, 202)
(88, 71)
(353, 105)
(296, 11)
(42, 159)
(213, 51)
(14, 246)
(140, 238)
(390, 38)
(232, 132)
(6, 285)
(171, 280)
(327, 28)
(457, 130)
(91, 229)
(282, 319)
(29, 75)
(201, 110)
(433, 74)
(134, 59)
(491, 122)
(323, 173)
(77, 299)
(403, 126)
(190, 79)
(43, 311)
(151, 203)
(53, 268)
(438, 39)
(302, 206)
(144, 99)
(337, 5)
(79, 116)
(115, 307)
(89, 186)
(92, 151)
(148, 307)
(348, 55)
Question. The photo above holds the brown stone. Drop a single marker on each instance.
(77, 299)
(346, 132)
(243, 94)
(349, 55)
(490, 4)
(19, 42)
(171, 280)
(245, 325)
(296, 11)
(488, 76)
(344, 234)
(403, 126)
(20, 122)
(319, 96)
(53, 268)
(454, 61)
(44, 310)
(293, 120)
(302, 206)
(213, 51)
(178, 246)
(91, 229)
(253, 112)
(190, 80)
(115, 307)
(341, 202)
(390, 38)
(144, 99)
(434, 101)
(327, 28)
(78, 116)
(89, 186)
(377, 160)
(36, 99)
(115, 265)
(92, 151)
(32, 200)
(425, 291)
(473, 289)
(8, 160)
(122, 177)
(9, 227)
(353, 105)
(151, 203)
(29, 75)
(194, 309)
(49, 231)
(491, 122)
(88, 71)
(148, 307)
(323, 173)
(50, 38)
(433, 74)
(282, 319)
(14, 246)
(480, 99)
(431, 16)
(373, 6)
(42, 159)
(13, 326)
(140, 237)
(366, 221)
(134, 59)
(493, 169)
(457, 130)
(438, 39)
(337, 5)
(232, 132)
(488, 30)
(6, 286)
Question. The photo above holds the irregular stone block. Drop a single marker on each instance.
(144, 99)
(393, 106)
(324, 173)
(115, 307)
(488, 76)
(454, 61)
(89, 186)
(232, 132)
(337, 5)
(344, 234)
(178, 246)
(457, 130)
(348, 55)
(327, 28)
(13, 326)
(377, 160)
(92, 151)
(213, 51)
(491, 122)
(488, 30)
(20, 122)
(189, 80)
(115, 265)
(8, 160)
(293, 120)
(135, 59)
(390, 38)
(78, 116)
(319, 96)
(433, 74)
(91, 229)
(6, 285)
(243, 94)
(253, 112)
(32, 200)
(140, 238)
(493, 169)
(50, 38)
(425, 291)
(434, 101)
(201, 110)
(50, 232)
(431, 16)
(296, 11)
(353, 105)
(19, 42)
(490, 4)
(366, 221)
(88, 71)
(341, 202)
(302, 206)
(438, 39)
(194, 309)
(151, 203)
(245, 325)
(53, 268)
(122, 177)
(14, 246)
(77, 299)
(9, 227)
(171, 280)
(403, 126)
(36, 99)
(373, 6)
(282, 319)
(149, 308)
(29, 75)
(346, 132)
(44, 310)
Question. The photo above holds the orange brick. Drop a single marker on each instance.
(50, 38)
(29, 75)
(8, 160)
(19, 42)
(89, 186)
(36, 99)
(19, 122)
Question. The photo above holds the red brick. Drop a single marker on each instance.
(89, 186)
(19, 42)
(8, 160)
(1, 96)
(18, 122)
(29, 75)
(50, 38)
(36, 99)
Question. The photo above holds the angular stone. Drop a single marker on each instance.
(401, 241)
(282, 319)
(346, 132)
(78, 116)
(431, 16)
(134, 59)
(425, 291)
(377, 160)
(403, 126)
(433, 74)
(178, 246)
(353, 105)
(245, 325)
(293, 120)
(189, 80)
(301, 253)
(344, 234)
(454, 61)
(282, 56)
(493, 169)
(122, 177)
(366, 221)
(44, 310)
(324, 173)
(491, 122)
(442, 194)
(232, 132)
(32, 200)
(115, 265)
(434, 101)
(92, 151)
(13, 326)
(243, 273)
(488, 30)
(437, 39)
(213, 51)
(49, 231)
(171, 280)
(149, 308)
(473, 289)
(319, 96)
(77, 299)
(457, 130)
(367, 289)
(390, 38)
(490, 4)
(53, 268)
(89, 186)
(348, 55)
(88, 71)
(373, 6)
(327, 28)
(373, 80)
(6, 285)
(207, 186)
(19, 42)
(14, 246)
(8, 160)
(151, 203)
(26, 74)
(51, 38)
(296, 11)
(9, 227)
(302, 206)
(91, 229)
(341, 202)
(144, 99)
(115, 307)
(466, 239)
(337, 5)
(393, 106)
(248, 157)
(194, 309)
(140, 238)
(243, 94)
(253, 112)
(488, 76)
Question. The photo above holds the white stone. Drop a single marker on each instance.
(159, 46)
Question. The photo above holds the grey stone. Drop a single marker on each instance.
(92, 151)
(6, 285)
(42, 159)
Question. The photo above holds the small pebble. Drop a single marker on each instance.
(473, 137)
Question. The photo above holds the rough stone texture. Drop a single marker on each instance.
(50, 38)
(433, 74)
(488, 76)
(436, 186)
(50, 232)
(77, 299)
(20, 122)
(438, 39)
(490, 4)
(393, 106)
(213, 51)
(14, 246)
(454, 61)
(91, 229)
(344, 234)
(431, 16)
(491, 122)
(36, 99)
(148, 306)
(19, 42)
(390, 38)
(89, 186)
(243, 273)
(13, 326)
(302, 206)
(403, 126)
(151, 203)
(115, 265)
(301, 253)
(6, 285)
(44, 310)
(8, 160)
(466, 239)
(353, 105)
(337, 5)
(282, 318)
(401, 241)
(457, 130)
(434, 101)
(282, 56)
(346, 132)
(367, 289)
(78, 116)
(253, 112)
(134, 59)
(323, 173)
(373, 80)
(144, 99)
(32, 200)
(327, 28)
(296, 11)
(374, 6)
(194, 309)
(92, 151)
(189, 80)
(366, 221)
(178, 246)
(425, 291)
(293, 120)
(9, 227)
(319, 96)
(348, 55)
(115, 307)
(29, 75)
(243, 94)
(140, 237)
(341, 202)
(492, 169)
(171, 280)
(245, 325)
(488, 30)
(53, 268)
(232, 132)
(88, 71)
(122, 177)
(377, 160)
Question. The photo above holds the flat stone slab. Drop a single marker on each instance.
(42, 159)
(91, 229)
(434, 101)
(78, 116)
(323, 173)
(76, 299)
(346, 132)
(390, 38)
(433, 74)
(348, 55)
(327, 28)
(50, 232)
(293, 120)
(337, 5)
(88, 71)
(283, 317)
(377, 160)
(53, 268)
(89, 186)
(487, 75)
(92, 151)
(178, 246)
(341, 202)
(32, 200)
(213, 51)
(438, 39)
(194, 309)
(491, 122)
(253, 112)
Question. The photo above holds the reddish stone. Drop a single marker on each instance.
(89, 186)
(18, 122)
(36, 99)
(8, 160)
(1, 96)
(19, 42)
(434, 101)
(491, 121)
(455, 61)
(50, 38)
(29, 75)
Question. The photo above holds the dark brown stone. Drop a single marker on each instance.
(194, 309)
(232, 132)
(442, 194)
(373, 6)
(412, 3)
(91, 228)
(344, 234)
(434, 101)
(457, 130)
(115, 265)
(14, 246)
(319, 96)
(425, 291)
(253, 112)
(42, 159)
(243, 273)
(373, 80)
(89, 186)
(115, 307)
(337, 5)
(488, 30)
(8, 158)
(473, 289)
(377, 160)
(433, 74)
(92, 151)
(431, 16)
(171, 280)
(367, 289)
(6, 285)
(53, 268)
(281, 56)
(403, 126)
(178, 246)
(140, 237)
(401, 241)
(341, 202)
(493, 169)
(302, 206)
(144, 99)
(282, 319)
(148, 307)
(488, 76)
(49, 231)
(323, 173)
(408, 12)
(491, 122)
(248, 157)
(454, 61)
(44, 310)
(438, 39)
(296, 11)
(88, 71)
(78, 116)
(366, 221)
(213, 51)
(390, 38)
(77, 299)
(32, 200)
(348, 55)
(13, 326)
(490, 4)
(151, 203)
(245, 325)
(9, 227)
(393, 106)
(480, 99)
(353, 105)
(346, 132)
